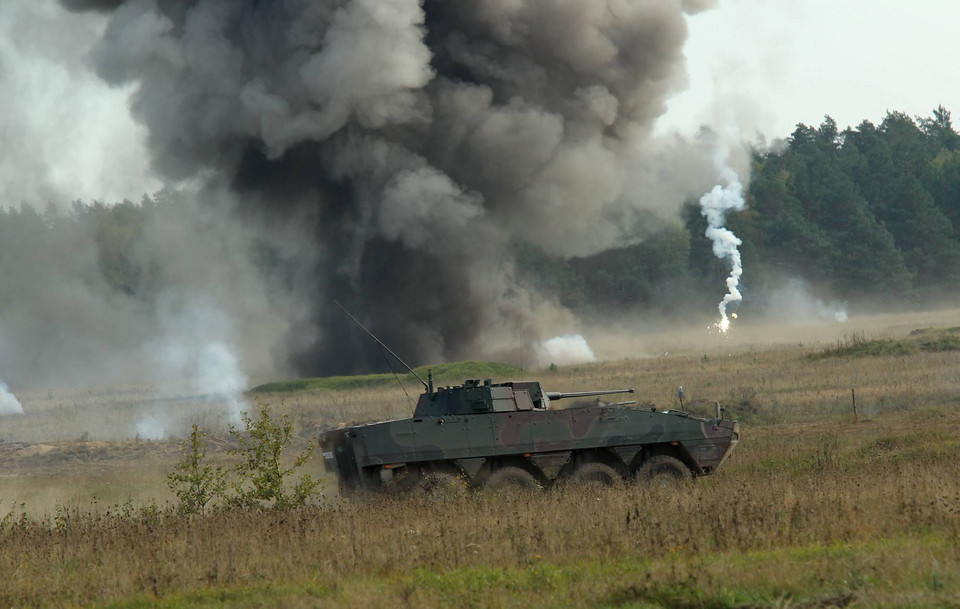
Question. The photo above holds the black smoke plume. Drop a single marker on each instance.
(409, 144)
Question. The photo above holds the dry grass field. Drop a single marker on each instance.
(814, 509)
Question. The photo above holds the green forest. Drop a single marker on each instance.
(868, 214)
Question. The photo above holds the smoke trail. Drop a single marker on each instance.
(714, 206)
(8, 402)
(407, 145)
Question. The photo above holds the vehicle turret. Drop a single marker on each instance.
(476, 397)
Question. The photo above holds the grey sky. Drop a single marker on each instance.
(766, 65)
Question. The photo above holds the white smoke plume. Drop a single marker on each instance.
(565, 350)
(8, 402)
(198, 316)
(714, 206)
(68, 135)
(195, 357)
(794, 303)
(832, 310)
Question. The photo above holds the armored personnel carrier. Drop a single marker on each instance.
(497, 435)
(494, 435)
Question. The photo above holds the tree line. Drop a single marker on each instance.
(871, 212)
(93, 243)
(868, 214)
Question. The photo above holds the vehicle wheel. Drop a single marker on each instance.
(441, 485)
(510, 478)
(663, 471)
(405, 479)
(595, 473)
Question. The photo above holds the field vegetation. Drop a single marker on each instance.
(815, 508)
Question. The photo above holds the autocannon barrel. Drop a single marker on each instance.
(557, 395)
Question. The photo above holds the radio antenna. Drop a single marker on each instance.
(381, 345)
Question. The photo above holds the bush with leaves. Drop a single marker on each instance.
(194, 480)
(261, 478)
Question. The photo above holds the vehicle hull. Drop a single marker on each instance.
(548, 443)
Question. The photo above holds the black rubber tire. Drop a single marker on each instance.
(663, 471)
(595, 473)
(510, 478)
(406, 479)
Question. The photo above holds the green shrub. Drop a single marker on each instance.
(261, 478)
(194, 480)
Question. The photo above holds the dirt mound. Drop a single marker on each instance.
(34, 450)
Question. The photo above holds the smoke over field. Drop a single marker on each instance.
(8, 402)
(393, 153)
